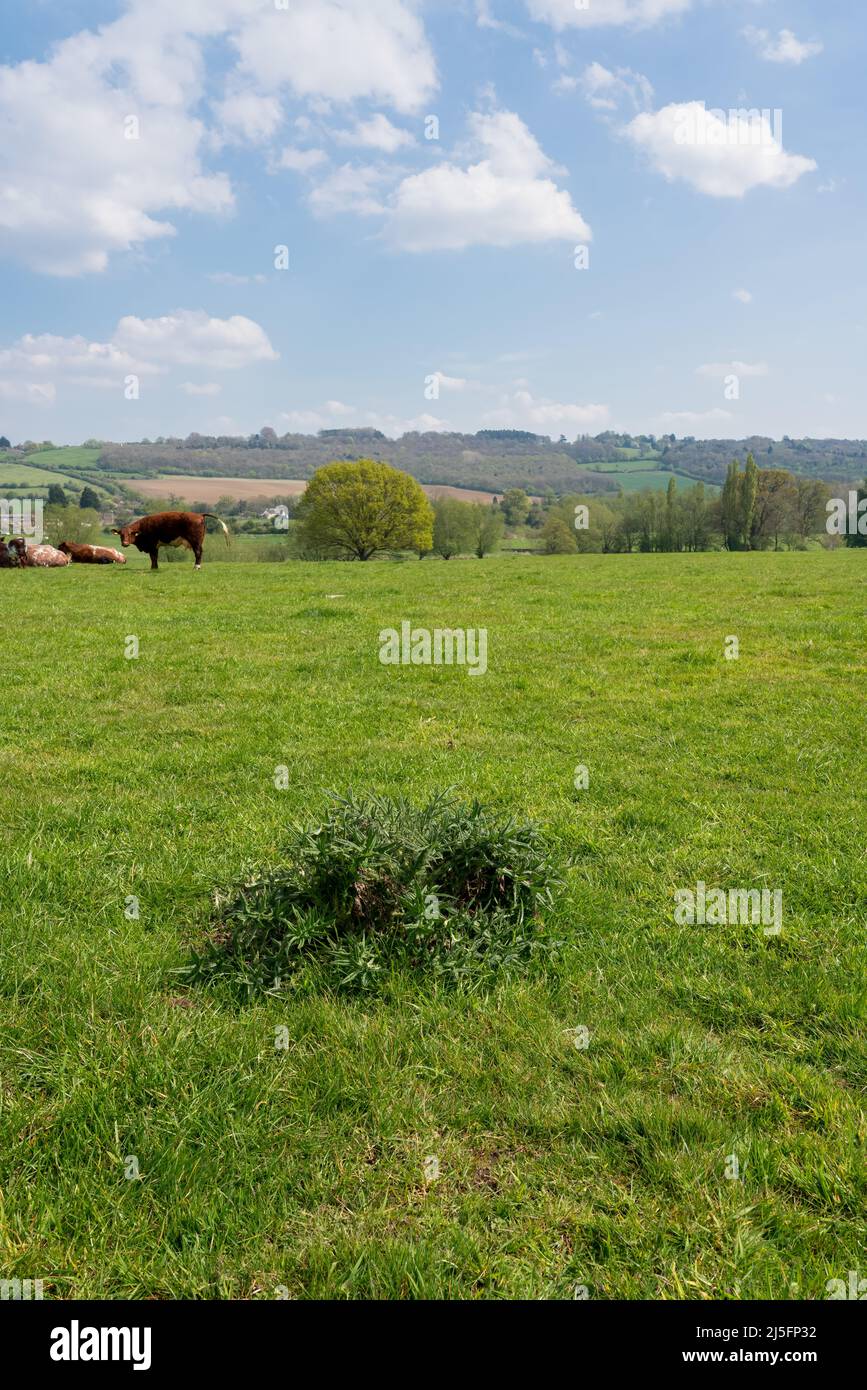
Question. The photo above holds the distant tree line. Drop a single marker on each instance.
(492, 460)
(758, 509)
(360, 509)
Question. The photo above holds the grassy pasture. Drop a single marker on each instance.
(633, 463)
(30, 475)
(69, 456)
(657, 479)
(304, 1168)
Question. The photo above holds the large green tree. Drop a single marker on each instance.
(358, 510)
(515, 506)
(487, 529)
(454, 528)
(557, 537)
(71, 523)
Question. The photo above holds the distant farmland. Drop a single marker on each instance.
(192, 489)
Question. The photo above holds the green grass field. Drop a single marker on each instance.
(302, 1170)
(69, 456)
(31, 475)
(632, 463)
(657, 480)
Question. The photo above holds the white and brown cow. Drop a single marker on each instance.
(81, 554)
(44, 557)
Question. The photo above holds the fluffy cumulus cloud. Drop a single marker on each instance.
(722, 154)
(104, 140)
(90, 164)
(300, 161)
(520, 409)
(191, 337)
(378, 133)
(355, 188)
(247, 117)
(566, 14)
(334, 414)
(341, 50)
(502, 194)
(144, 347)
(76, 359)
(785, 48)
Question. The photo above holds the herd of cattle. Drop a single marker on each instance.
(147, 534)
(20, 554)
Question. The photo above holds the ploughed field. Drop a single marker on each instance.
(305, 1169)
(194, 489)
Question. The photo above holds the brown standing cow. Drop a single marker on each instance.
(168, 528)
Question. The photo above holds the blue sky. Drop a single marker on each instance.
(154, 153)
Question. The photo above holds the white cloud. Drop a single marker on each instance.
(785, 48)
(606, 90)
(521, 410)
(335, 413)
(191, 337)
(326, 417)
(248, 117)
(77, 189)
(30, 392)
(720, 370)
(50, 353)
(300, 161)
(565, 14)
(378, 133)
(451, 383)
(205, 388)
(394, 425)
(720, 154)
(506, 198)
(341, 50)
(351, 188)
(743, 295)
(143, 347)
(486, 19)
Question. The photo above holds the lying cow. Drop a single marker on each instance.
(21, 554)
(168, 528)
(44, 557)
(81, 554)
(13, 554)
